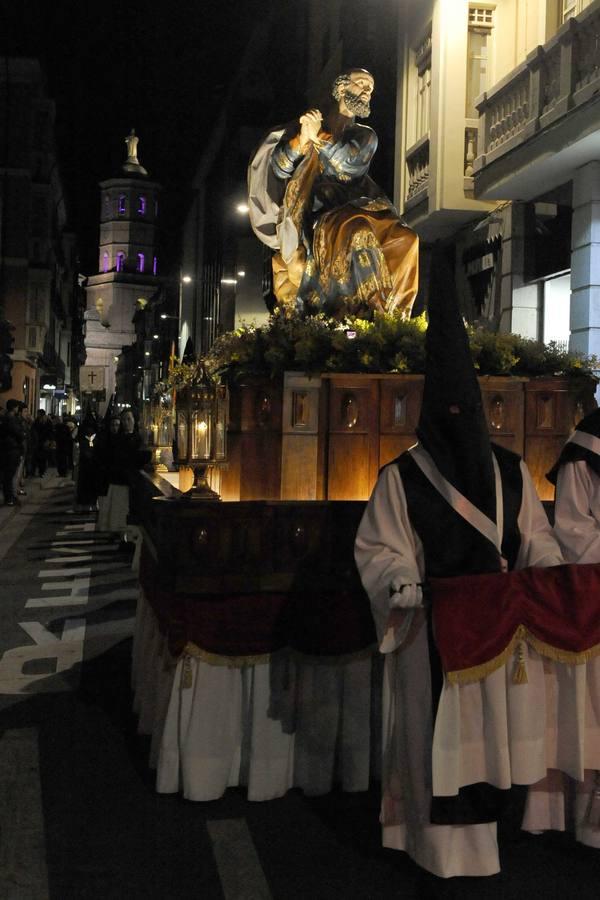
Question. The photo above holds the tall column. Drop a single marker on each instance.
(585, 261)
(511, 273)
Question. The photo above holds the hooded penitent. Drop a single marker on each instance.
(574, 451)
(452, 428)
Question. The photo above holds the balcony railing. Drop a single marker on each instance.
(554, 79)
(417, 164)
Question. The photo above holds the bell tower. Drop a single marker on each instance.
(128, 264)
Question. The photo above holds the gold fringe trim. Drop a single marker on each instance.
(476, 673)
(237, 662)
(216, 659)
(520, 672)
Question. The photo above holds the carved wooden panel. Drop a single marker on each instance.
(400, 404)
(553, 407)
(350, 470)
(504, 406)
(353, 452)
(260, 405)
(353, 406)
(299, 461)
(260, 465)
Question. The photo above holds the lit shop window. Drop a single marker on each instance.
(122, 205)
(120, 261)
(141, 206)
(141, 261)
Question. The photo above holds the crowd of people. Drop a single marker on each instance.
(99, 455)
(29, 446)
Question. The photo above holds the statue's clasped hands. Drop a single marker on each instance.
(310, 126)
(405, 596)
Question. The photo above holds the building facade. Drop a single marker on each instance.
(498, 155)
(40, 293)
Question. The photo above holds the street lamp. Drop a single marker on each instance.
(201, 418)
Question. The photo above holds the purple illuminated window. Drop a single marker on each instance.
(140, 262)
(141, 206)
(105, 262)
(120, 262)
(122, 204)
(155, 266)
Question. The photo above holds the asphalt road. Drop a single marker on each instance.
(79, 817)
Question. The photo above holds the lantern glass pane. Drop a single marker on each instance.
(201, 434)
(220, 444)
(182, 436)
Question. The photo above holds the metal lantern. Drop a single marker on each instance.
(202, 431)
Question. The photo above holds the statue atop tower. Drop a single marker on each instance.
(132, 164)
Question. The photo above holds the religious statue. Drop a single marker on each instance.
(132, 141)
(339, 246)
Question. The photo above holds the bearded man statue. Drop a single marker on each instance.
(339, 246)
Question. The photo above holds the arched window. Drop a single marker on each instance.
(141, 261)
(156, 208)
(155, 266)
(141, 206)
(105, 262)
(120, 261)
(122, 205)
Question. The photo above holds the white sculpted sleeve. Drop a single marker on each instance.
(539, 546)
(389, 555)
(575, 518)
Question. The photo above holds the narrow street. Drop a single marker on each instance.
(79, 817)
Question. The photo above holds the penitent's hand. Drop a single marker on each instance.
(406, 596)
(310, 125)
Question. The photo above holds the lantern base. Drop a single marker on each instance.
(201, 489)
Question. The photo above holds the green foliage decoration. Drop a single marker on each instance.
(389, 343)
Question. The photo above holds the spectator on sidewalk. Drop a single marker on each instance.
(87, 494)
(64, 447)
(27, 420)
(43, 437)
(127, 455)
(11, 449)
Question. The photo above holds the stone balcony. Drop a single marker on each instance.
(545, 112)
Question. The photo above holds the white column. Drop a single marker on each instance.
(512, 265)
(585, 261)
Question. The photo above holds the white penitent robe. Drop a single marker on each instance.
(577, 512)
(518, 748)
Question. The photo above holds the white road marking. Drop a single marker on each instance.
(23, 870)
(62, 559)
(67, 548)
(54, 573)
(81, 526)
(78, 594)
(240, 871)
(65, 651)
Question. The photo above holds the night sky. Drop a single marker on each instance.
(161, 67)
